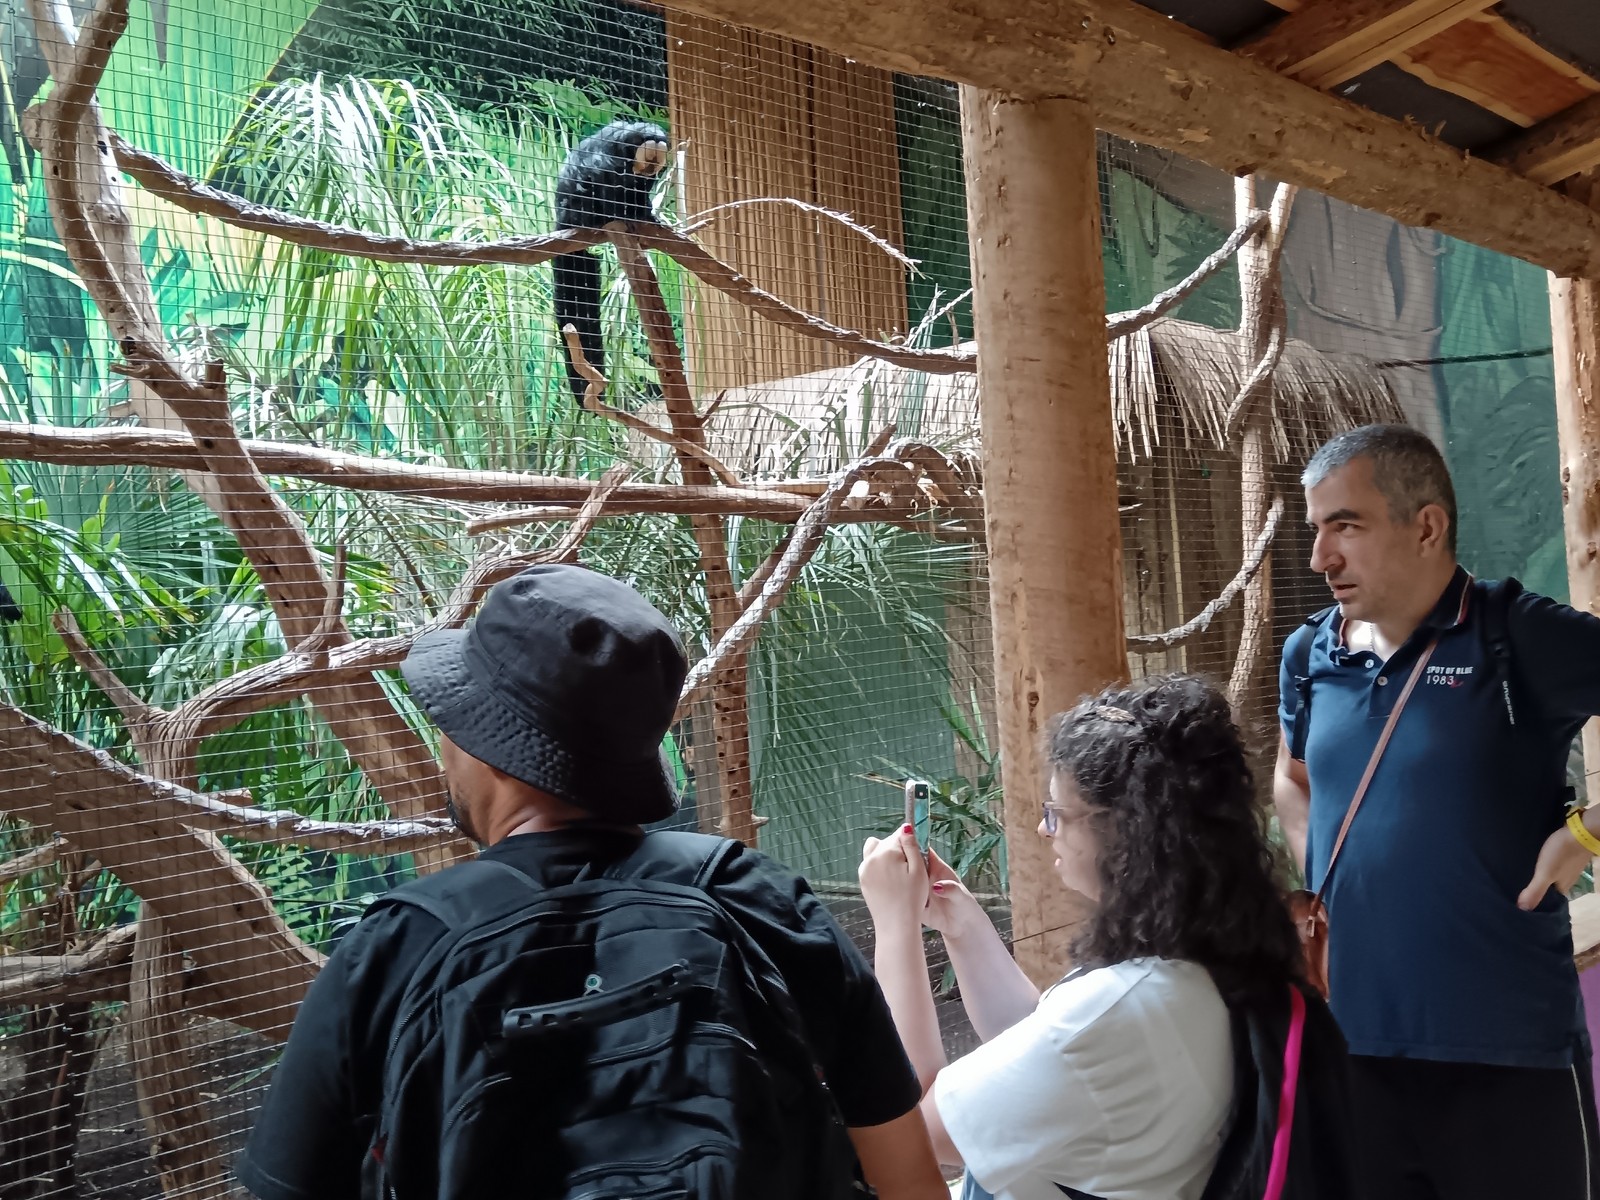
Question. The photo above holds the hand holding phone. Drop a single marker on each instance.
(919, 814)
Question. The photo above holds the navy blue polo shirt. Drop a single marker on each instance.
(1429, 955)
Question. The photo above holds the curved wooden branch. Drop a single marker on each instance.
(99, 973)
(706, 267)
(110, 446)
(75, 86)
(136, 827)
(27, 863)
(1123, 323)
(592, 402)
(161, 179)
(1150, 643)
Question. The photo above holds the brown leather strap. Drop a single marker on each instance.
(1372, 766)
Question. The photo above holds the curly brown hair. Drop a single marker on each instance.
(1186, 868)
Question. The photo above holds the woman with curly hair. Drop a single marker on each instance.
(1132, 1077)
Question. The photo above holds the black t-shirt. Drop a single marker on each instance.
(315, 1126)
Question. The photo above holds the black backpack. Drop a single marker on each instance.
(618, 1036)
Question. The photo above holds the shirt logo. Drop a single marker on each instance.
(1446, 676)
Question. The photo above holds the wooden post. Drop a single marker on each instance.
(1050, 484)
(1575, 336)
(1261, 332)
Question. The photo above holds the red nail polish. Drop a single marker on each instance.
(939, 887)
(908, 829)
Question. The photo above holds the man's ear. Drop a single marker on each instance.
(1433, 527)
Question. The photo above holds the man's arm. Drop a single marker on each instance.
(1291, 795)
(897, 1159)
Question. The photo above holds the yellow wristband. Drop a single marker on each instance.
(1581, 831)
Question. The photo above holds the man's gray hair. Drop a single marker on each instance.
(1406, 467)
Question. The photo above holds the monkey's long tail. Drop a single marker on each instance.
(577, 303)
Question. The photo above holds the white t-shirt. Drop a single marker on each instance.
(1119, 1084)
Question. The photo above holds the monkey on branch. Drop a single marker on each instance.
(607, 177)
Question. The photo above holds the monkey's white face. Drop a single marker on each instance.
(650, 158)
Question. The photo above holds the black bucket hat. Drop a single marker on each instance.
(567, 680)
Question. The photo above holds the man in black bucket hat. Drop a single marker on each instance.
(585, 1009)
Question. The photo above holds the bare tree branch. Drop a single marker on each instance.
(102, 446)
(1151, 643)
(592, 402)
(161, 179)
(1123, 323)
(135, 826)
(33, 860)
(99, 973)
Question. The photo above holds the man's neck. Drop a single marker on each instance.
(1391, 632)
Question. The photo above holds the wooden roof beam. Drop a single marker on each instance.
(1149, 81)
(1557, 148)
(1330, 41)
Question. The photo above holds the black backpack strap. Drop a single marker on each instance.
(1300, 673)
(1497, 637)
(461, 894)
(674, 856)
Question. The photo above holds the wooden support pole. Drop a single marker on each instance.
(1575, 335)
(1055, 573)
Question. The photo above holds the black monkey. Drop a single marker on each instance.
(607, 177)
(10, 610)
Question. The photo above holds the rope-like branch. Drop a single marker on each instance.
(1254, 388)
(161, 179)
(802, 543)
(701, 219)
(1123, 323)
(1151, 643)
(591, 401)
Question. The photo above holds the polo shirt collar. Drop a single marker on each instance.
(1449, 612)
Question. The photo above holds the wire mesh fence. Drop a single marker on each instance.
(322, 385)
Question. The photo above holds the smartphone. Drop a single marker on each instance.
(919, 813)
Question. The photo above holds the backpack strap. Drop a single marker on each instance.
(459, 895)
(674, 856)
(1497, 637)
(469, 891)
(1300, 673)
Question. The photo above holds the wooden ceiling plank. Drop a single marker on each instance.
(1555, 149)
(1486, 61)
(1329, 42)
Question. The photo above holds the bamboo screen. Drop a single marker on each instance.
(279, 424)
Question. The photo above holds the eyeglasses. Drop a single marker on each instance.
(1052, 821)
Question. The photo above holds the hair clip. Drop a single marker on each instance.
(1120, 715)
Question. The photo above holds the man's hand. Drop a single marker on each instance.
(1561, 861)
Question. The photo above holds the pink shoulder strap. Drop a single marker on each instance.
(1278, 1173)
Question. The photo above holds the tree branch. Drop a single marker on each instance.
(103, 446)
(27, 863)
(1151, 643)
(161, 179)
(100, 973)
(136, 828)
(592, 402)
(1123, 323)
